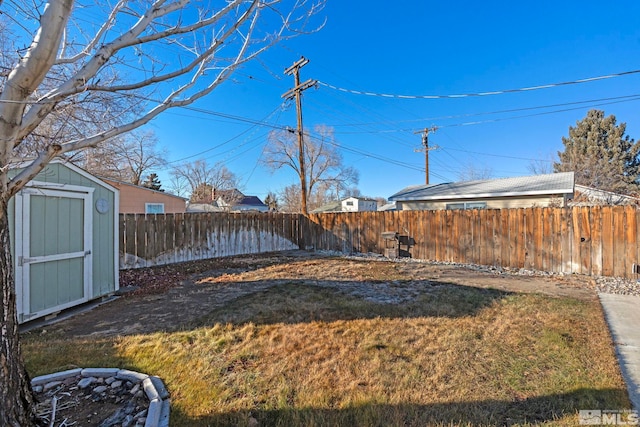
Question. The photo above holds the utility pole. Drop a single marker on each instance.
(296, 93)
(426, 149)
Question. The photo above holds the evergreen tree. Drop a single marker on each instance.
(153, 182)
(601, 155)
(272, 202)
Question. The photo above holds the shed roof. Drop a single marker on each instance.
(550, 184)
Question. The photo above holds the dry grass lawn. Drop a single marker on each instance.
(344, 343)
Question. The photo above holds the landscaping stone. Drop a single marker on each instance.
(153, 416)
(57, 376)
(141, 414)
(128, 421)
(52, 384)
(150, 390)
(124, 374)
(160, 388)
(86, 382)
(100, 372)
(164, 414)
(135, 389)
(121, 387)
(100, 389)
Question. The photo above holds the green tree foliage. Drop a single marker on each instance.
(271, 201)
(601, 155)
(153, 182)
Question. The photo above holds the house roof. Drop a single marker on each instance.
(586, 196)
(204, 207)
(229, 196)
(120, 183)
(251, 201)
(329, 207)
(551, 184)
(388, 207)
(365, 199)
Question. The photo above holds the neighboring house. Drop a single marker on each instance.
(143, 200)
(350, 204)
(64, 235)
(587, 196)
(359, 204)
(519, 192)
(235, 201)
(230, 201)
(388, 207)
(203, 207)
(245, 204)
(329, 207)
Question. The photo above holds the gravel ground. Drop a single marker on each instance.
(608, 285)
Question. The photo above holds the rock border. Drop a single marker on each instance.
(156, 392)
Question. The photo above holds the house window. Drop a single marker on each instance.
(350, 203)
(475, 205)
(154, 208)
(467, 205)
(451, 206)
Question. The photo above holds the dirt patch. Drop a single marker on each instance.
(170, 298)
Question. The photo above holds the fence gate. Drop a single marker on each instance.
(53, 250)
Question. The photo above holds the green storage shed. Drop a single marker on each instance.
(64, 240)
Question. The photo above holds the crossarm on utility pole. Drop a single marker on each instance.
(426, 149)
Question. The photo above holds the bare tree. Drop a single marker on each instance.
(178, 186)
(473, 173)
(290, 200)
(126, 157)
(324, 166)
(204, 180)
(140, 59)
(542, 166)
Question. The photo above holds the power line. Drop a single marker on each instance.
(629, 98)
(488, 93)
(489, 113)
(370, 155)
(544, 113)
(494, 155)
(254, 122)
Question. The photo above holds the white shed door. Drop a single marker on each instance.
(54, 254)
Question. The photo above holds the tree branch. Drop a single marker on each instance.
(31, 71)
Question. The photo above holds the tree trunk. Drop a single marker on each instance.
(17, 407)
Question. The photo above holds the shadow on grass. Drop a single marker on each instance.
(481, 413)
(44, 355)
(301, 301)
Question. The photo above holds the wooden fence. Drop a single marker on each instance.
(147, 240)
(587, 240)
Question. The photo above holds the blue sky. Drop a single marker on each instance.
(425, 48)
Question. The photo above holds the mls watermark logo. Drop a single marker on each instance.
(590, 417)
(597, 417)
